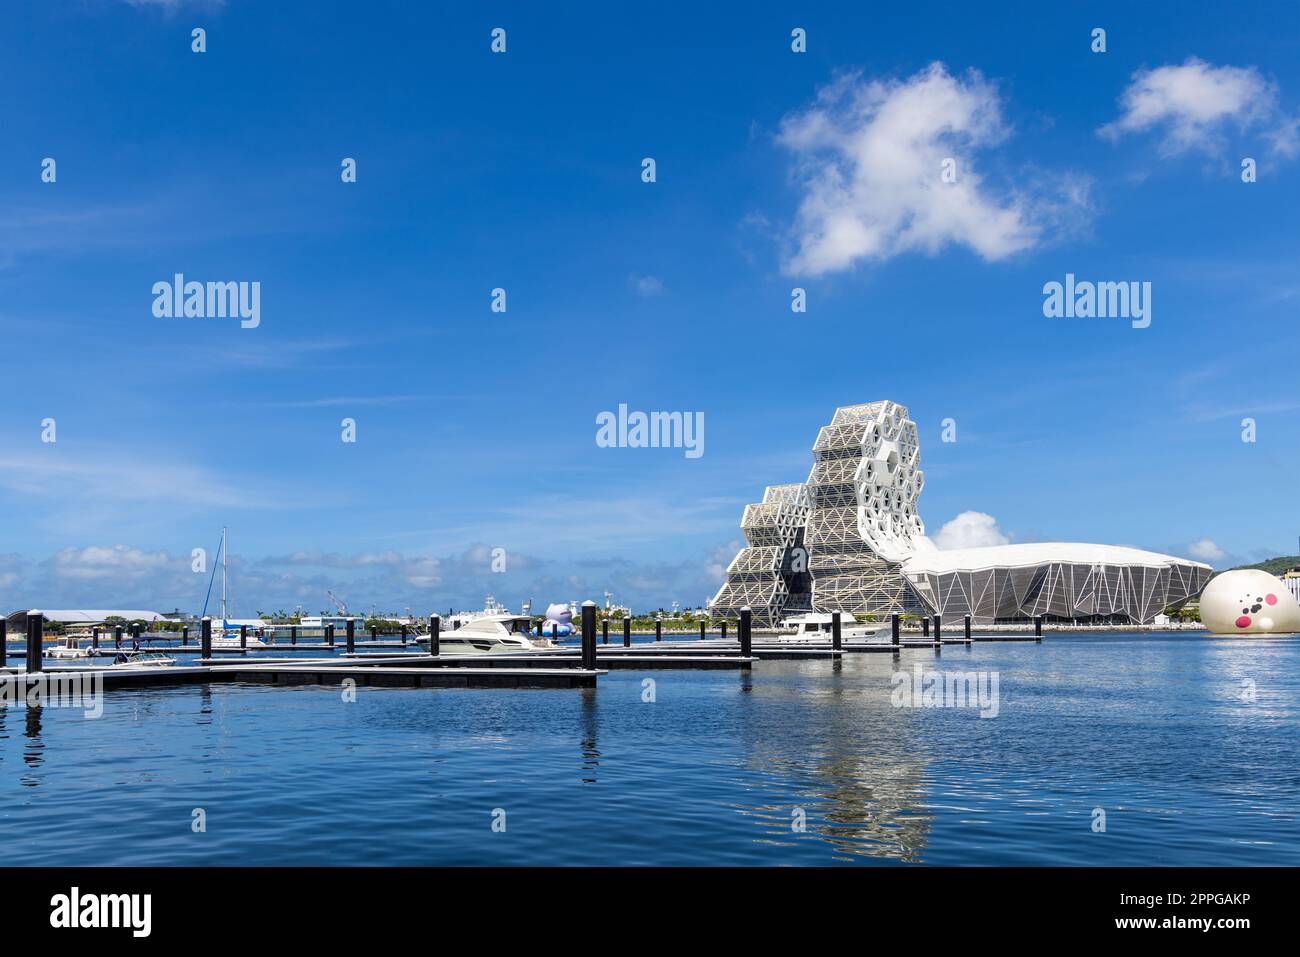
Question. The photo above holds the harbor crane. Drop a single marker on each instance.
(342, 606)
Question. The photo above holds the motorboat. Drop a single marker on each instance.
(69, 648)
(458, 620)
(816, 627)
(488, 635)
(143, 659)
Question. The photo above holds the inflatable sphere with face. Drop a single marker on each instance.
(1249, 602)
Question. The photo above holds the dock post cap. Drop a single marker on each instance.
(588, 604)
(746, 608)
(627, 617)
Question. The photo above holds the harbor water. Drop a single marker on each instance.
(1143, 749)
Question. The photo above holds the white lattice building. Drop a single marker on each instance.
(770, 574)
(855, 528)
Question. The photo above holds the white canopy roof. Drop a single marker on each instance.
(1035, 553)
(87, 615)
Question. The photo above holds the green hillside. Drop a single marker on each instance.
(1274, 566)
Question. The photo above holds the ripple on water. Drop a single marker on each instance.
(1156, 732)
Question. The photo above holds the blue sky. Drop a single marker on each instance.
(522, 170)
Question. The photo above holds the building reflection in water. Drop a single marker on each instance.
(840, 752)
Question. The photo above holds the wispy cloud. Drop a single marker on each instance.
(870, 161)
(646, 287)
(1193, 105)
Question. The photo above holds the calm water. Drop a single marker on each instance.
(1157, 731)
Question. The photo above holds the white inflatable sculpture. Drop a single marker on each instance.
(1249, 602)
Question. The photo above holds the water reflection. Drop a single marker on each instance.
(854, 761)
(33, 750)
(590, 722)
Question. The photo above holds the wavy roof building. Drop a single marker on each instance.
(851, 539)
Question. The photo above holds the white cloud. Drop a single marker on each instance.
(646, 286)
(1206, 550)
(720, 559)
(101, 576)
(971, 530)
(1193, 104)
(869, 158)
(115, 562)
(111, 476)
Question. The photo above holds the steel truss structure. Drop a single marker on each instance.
(851, 539)
(1061, 580)
(770, 574)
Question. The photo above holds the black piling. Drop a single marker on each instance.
(604, 631)
(836, 642)
(94, 637)
(205, 638)
(659, 629)
(555, 631)
(435, 628)
(374, 633)
(967, 625)
(351, 635)
(329, 635)
(117, 637)
(746, 619)
(702, 635)
(925, 627)
(4, 643)
(589, 635)
(627, 632)
(724, 629)
(895, 626)
(938, 629)
(1038, 628)
(403, 636)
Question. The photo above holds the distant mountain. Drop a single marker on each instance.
(1274, 566)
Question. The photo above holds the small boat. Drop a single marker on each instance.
(69, 648)
(815, 628)
(228, 637)
(488, 635)
(143, 659)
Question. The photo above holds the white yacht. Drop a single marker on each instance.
(458, 620)
(69, 648)
(488, 635)
(227, 636)
(815, 628)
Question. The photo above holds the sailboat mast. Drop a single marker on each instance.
(225, 555)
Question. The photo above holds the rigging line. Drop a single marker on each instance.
(210, 581)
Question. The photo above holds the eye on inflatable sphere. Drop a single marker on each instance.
(1249, 602)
